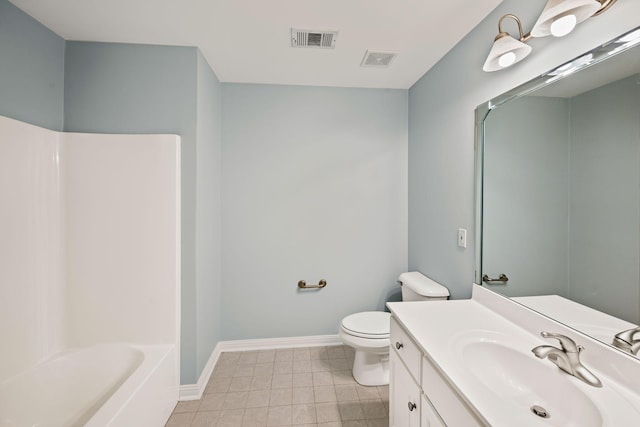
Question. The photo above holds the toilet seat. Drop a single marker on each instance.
(368, 324)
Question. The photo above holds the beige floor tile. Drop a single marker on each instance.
(350, 411)
(218, 385)
(248, 357)
(302, 366)
(303, 414)
(322, 379)
(327, 412)
(282, 367)
(320, 365)
(301, 354)
(263, 369)
(282, 381)
(304, 379)
(336, 352)
(255, 417)
(303, 387)
(235, 400)
(367, 393)
(212, 402)
(303, 395)
(262, 382)
(244, 370)
(338, 364)
(266, 356)
(281, 397)
(230, 418)
(317, 353)
(346, 393)
(206, 419)
(373, 409)
(187, 406)
(285, 354)
(180, 420)
(279, 416)
(383, 391)
(258, 398)
(240, 384)
(324, 394)
(343, 377)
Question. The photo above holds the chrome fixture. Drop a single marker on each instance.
(567, 357)
(558, 18)
(303, 285)
(625, 340)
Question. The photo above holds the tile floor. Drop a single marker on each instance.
(289, 387)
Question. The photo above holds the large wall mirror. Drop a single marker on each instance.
(558, 191)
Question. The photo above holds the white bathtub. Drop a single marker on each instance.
(104, 385)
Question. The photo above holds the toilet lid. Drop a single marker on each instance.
(368, 324)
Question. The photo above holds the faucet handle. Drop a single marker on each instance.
(567, 344)
(627, 335)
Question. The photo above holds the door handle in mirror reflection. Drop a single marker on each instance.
(412, 406)
(501, 279)
(399, 345)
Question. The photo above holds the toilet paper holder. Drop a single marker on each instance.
(303, 285)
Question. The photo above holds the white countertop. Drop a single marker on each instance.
(441, 329)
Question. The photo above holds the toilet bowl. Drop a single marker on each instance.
(368, 332)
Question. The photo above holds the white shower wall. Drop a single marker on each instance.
(31, 243)
(90, 241)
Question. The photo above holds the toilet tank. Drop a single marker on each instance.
(418, 287)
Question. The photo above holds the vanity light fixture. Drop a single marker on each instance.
(506, 50)
(558, 18)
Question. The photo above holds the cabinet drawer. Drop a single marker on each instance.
(406, 349)
(452, 410)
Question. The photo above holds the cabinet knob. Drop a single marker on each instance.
(412, 406)
(399, 345)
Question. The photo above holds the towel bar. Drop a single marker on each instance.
(502, 279)
(303, 285)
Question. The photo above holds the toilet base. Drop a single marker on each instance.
(371, 368)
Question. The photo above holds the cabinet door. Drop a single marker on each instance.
(430, 417)
(404, 395)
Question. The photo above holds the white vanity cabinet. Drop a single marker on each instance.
(418, 395)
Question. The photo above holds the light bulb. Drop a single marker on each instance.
(507, 59)
(563, 25)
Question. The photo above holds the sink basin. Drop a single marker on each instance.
(522, 381)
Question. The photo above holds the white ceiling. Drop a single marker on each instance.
(248, 41)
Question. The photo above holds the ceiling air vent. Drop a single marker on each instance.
(315, 39)
(378, 58)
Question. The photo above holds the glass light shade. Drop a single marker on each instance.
(563, 25)
(505, 52)
(558, 9)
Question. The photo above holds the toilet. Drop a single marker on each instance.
(368, 332)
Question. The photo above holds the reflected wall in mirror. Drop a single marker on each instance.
(559, 191)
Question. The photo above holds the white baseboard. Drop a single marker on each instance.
(195, 391)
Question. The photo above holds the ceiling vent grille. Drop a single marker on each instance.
(379, 59)
(313, 39)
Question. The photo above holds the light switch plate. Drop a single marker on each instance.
(462, 237)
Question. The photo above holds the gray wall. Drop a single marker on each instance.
(31, 69)
(605, 200)
(125, 88)
(441, 131)
(526, 200)
(208, 268)
(314, 188)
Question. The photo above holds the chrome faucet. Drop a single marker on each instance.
(567, 358)
(625, 340)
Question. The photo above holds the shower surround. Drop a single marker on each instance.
(89, 254)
